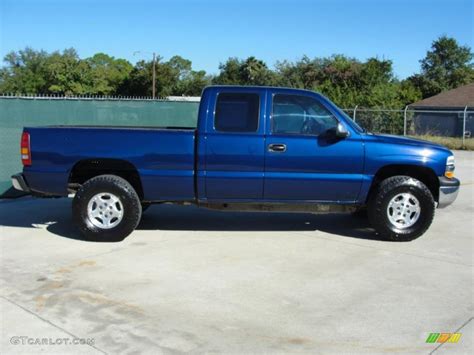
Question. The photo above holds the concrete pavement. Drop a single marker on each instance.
(192, 280)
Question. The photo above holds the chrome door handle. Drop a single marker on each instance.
(279, 148)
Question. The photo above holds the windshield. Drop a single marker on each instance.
(349, 120)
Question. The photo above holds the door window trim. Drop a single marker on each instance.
(297, 134)
(214, 110)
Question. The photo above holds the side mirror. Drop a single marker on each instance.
(341, 131)
(337, 132)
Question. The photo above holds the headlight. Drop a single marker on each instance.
(449, 173)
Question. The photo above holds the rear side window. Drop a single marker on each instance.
(237, 112)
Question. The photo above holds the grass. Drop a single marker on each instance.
(450, 142)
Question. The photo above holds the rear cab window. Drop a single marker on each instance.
(237, 112)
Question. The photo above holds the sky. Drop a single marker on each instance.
(209, 32)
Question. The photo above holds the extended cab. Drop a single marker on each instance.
(255, 148)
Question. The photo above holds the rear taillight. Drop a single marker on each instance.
(25, 149)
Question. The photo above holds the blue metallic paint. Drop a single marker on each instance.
(183, 165)
(313, 168)
(234, 162)
(163, 158)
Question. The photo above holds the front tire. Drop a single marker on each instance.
(106, 208)
(401, 209)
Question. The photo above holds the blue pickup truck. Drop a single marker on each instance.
(254, 148)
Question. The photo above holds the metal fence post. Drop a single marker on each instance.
(405, 121)
(464, 116)
(354, 114)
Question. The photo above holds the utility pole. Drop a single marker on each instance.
(153, 80)
(154, 76)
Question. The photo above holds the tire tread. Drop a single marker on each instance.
(377, 208)
(131, 219)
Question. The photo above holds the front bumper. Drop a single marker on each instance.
(448, 191)
(19, 183)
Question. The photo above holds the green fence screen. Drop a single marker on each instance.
(15, 113)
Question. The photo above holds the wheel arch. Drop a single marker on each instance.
(422, 173)
(86, 169)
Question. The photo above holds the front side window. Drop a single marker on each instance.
(297, 114)
(237, 112)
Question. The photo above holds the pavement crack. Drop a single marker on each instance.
(49, 322)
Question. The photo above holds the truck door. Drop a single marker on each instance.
(302, 161)
(234, 144)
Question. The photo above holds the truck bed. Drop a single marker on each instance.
(163, 156)
(176, 128)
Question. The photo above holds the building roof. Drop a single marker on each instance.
(456, 98)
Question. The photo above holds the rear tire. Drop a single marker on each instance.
(106, 208)
(401, 209)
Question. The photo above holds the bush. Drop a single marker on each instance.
(450, 142)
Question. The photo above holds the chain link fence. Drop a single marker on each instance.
(456, 124)
(453, 128)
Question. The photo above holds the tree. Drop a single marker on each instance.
(106, 74)
(192, 83)
(38, 72)
(306, 73)
(229, 72)
(255, 72)
(25, 72)
(67, 74)
(251, 71)
(138, 82)
(174, 77)
(446, 66)
(345, 80)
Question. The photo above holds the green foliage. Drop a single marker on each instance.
(67, 74)
(446, 66)
(182, 79)
(349, 82)
(106, 74)
(345, 80)
(63, 73)
(25, 72)
(174, 77)
(251, 71)
(139, 80)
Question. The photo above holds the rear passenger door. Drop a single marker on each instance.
(234, 153)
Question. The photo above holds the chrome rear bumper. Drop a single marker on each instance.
(448, 191)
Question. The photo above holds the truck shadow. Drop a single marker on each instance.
(54, 215)
(192, 218)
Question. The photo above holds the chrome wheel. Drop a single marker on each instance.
(403, 210)
(105, 210)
